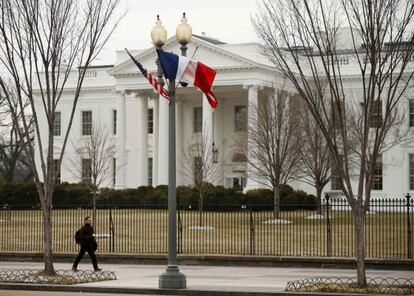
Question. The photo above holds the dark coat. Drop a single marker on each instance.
(87, 239)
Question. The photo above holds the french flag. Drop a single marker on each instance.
(184, 69)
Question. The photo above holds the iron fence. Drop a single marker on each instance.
(229, 229)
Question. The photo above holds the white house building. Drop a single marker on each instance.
(137, 117)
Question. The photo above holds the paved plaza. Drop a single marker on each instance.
(208, 278)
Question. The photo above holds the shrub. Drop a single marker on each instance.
(19, 193)
(216, 198)
(186, 196)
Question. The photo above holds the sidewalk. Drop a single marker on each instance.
(256, 280)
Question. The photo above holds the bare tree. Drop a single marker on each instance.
(44, 46)
(92, 161)
(305, 41)
(314, 164)
(199, 165)
(13, 158)
(273, 138)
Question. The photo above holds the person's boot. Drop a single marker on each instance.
(97, 269)
(74, 269)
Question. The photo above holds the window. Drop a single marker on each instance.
(86, 123)
(411, 170)
(239, 157)
(239, 183)
(198, 120)
(335, 178)
(377, 182)
(198, 170)
(86, 170)
(114, 114)
(150, 171)
(57, 121)
(338, 110)
(376, 116)
(56, 169)
(113, 172)
(411, 112)
(240, 118)
(150, 121)
(343, 60)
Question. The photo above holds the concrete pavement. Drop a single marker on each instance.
(207, 278)
(42, 293)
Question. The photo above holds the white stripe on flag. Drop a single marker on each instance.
(190, 72)
(182, 65)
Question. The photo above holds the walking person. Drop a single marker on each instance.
(85, 237)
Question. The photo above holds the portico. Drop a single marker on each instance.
(142, 145)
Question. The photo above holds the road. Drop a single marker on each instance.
(40, 293)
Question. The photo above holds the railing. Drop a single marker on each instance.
(225, 229)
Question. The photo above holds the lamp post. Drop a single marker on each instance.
(183, 33)
(172, 278)
(159, 36)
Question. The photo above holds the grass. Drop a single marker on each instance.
(239, 232)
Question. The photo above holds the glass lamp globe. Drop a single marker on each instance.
(158, 33)
(184, 31)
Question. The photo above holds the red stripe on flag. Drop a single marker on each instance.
(211, 97)
(204, 77)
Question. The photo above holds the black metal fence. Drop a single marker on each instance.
(232, 229)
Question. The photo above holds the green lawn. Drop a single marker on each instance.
(240, 232)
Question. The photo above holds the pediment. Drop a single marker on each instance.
(212, 55)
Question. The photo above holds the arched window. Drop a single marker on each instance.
(239, 157)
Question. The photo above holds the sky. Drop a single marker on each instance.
(227, 20)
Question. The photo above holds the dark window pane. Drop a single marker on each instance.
(56, 169)
(150, 171)
(411, 171)
(377, 182)
(114, 172)
(57, 124)
(86, 170)
(150, 121)
(411, 112)
(240, 118)
(198, 120)
(86, 123)
(335, 178)
(114, 119)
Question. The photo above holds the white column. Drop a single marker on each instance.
(163, 143)
(120, 141)
(143, 141)
(207, 127)
(253, 100)
(155, 141)
(179, 140)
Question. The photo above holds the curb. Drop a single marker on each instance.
(152, 291)
(222, 260)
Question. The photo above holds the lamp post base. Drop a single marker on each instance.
(172, 278)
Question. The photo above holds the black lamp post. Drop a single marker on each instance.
(172, 278)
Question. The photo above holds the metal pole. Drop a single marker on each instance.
(328, 229)
(409, 233)
(172, 278)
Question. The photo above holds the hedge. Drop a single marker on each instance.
(215, 197)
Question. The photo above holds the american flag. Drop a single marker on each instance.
(151, 79)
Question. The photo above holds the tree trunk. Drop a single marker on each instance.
(319, 199)
(360, 246)
(276, 203)
(94, 208)
(200, 210)
(47, 240)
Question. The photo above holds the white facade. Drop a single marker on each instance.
(242, 77)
